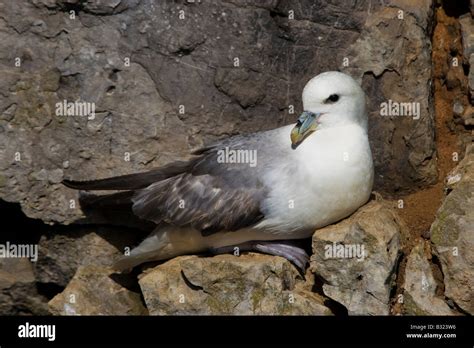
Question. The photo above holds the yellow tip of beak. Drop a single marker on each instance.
(295, 136)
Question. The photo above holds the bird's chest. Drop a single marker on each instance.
(333, 178)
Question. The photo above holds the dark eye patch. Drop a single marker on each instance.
(332, 98)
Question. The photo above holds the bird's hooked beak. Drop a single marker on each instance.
(306, 124)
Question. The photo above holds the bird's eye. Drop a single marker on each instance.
(332, 98)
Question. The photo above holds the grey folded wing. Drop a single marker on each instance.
(201, 193)
(203, 202)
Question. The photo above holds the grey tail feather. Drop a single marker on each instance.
(132, 181)
(88, 200)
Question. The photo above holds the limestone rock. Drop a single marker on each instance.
(225, 68)
(93, 292)
(357, 258)
(458, 109)
(402, 144)
(452, 234)
(467, 116)
(467, 31)
(60, 254)
(18, 293)
(227, 284)
(420, 287)
(166, 77)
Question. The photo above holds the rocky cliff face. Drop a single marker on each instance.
(452, 234)
(169, 76)
(166, 77)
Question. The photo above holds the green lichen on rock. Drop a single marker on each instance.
(453, 238)
(3, 180)
(410, 307)
(226, 284)
(444, 231)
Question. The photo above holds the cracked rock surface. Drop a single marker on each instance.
(452, 234)
(167, 77)
(357, 258)
(227, 284)
(163, 84)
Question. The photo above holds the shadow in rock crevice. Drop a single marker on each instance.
(456, 8)
(17, 227)
(336, 308)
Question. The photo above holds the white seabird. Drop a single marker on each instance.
(306, 176)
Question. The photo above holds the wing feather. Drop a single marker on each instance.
(202, 202)
(201, 192)
(132, 181)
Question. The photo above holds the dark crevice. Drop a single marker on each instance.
(128, 280)
(113, 75)
(456, 8)
(49, 290)
(438, 275)
(76, 7)
(183, 51)
(397, 274)
(23, 230)
(81, 6)
(191, 285)
(110, 90)
(336, 308)
(17, 227)
(455, 307)
(465, 69)
(275, 14)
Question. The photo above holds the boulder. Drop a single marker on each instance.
(92, 291)
(394, 72)
(60, 254)
(228, 284)
(467, 31)
(420, 287)
(18, 292)
(452, 234)
(357, 258)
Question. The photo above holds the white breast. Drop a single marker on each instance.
(330, 176)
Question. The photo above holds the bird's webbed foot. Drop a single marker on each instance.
(283, 248)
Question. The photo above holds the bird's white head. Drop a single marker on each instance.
(330, 99)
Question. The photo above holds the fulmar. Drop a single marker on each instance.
(305, 176)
